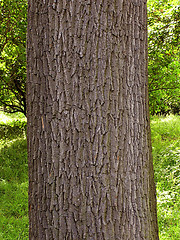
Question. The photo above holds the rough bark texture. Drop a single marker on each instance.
(89, 150)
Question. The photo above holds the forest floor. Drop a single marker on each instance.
(14, 176)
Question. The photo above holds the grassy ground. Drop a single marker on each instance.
(14, 180)
(166, 152)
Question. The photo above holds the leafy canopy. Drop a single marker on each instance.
(164, 56)
(13, 55)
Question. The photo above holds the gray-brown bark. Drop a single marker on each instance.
(89, 150)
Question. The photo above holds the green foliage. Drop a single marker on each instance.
(164, 56)
(13, 55)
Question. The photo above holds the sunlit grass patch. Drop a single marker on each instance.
(165, 128)
(12, 125)
(9, 117)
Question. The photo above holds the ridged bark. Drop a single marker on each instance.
(89, 149)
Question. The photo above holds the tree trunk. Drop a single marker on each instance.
(89, 149)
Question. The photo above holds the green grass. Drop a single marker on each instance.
(166, 153)
(14, 180)
(14, 214)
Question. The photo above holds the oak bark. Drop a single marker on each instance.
(89, 147)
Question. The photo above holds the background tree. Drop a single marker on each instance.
(89, 150)
(13, 55)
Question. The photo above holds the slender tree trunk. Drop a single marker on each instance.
(89, 149)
